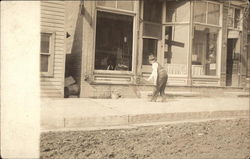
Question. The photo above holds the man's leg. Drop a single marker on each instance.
(155, 92)
(163, 86)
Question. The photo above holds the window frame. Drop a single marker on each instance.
(119, 12)
(50, 72)
(115, 9)
(241, 11)
(218, 53)
(176, 22)
(219, 42)
(220, 18)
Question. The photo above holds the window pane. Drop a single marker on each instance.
(248, 24)
(204, 51)
(237, 19)
(45, 42)
(248, 55)
(152, 11)
(152, 30)
(114, 38)
(200, 9)
(44, 63)
(248, 39)
(106, 3)
(176, 49)
(126, 5)
(149, 48)
(230, 20)
(177, 11)
(213, 14)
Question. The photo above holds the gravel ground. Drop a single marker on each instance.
(221, 139)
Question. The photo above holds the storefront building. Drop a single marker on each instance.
(200, 43)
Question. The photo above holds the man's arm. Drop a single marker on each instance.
(154, 73)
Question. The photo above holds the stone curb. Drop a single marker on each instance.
(118, 120)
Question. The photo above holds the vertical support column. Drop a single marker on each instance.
(140, 41)
(87, 47)
(223, 61)
(136, 35)
(163, 33)
(189, 80)
(243, 57)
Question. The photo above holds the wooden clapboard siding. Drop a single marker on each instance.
(53, 20)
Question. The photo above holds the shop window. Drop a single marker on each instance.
(213, 14)
(200, 11)
(114, 38)
(230, 19)
(207, 13)
(152, 19)
(176, 49)
(248, 22)
(237, 19)
(118, 4)
(149, 48)
(204, 54)
(152, 30)
(234, 18)
(152, 11)
(46, 54)
(177, 11)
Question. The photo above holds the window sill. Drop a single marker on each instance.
(205, 76)
(234, 29)
(48, 75)
(115, 72)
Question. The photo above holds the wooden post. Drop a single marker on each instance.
(191, 29)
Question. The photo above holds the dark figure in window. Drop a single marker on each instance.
(111, 62)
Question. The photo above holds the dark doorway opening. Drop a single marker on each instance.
(233, 57)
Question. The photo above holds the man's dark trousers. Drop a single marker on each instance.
(160, 85)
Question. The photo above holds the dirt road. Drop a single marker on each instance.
(222, 139)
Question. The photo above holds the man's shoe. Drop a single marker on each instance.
(164, 99)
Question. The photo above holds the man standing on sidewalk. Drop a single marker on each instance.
(160, 77)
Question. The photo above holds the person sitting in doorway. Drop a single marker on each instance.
(160, 77)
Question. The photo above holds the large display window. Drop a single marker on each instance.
(176, 35)
(206, 38)
(204, 52)
(176, 49)
(114, 39)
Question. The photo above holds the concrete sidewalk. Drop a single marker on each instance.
(86, 112)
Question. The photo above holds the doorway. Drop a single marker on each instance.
(233, 59)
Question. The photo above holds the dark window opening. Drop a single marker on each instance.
(149, 48)
(152, 11)
(114, 39)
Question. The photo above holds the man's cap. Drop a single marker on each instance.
(151, 58)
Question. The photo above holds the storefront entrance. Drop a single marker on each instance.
(233, 58)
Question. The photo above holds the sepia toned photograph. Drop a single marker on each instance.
(141, 79)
